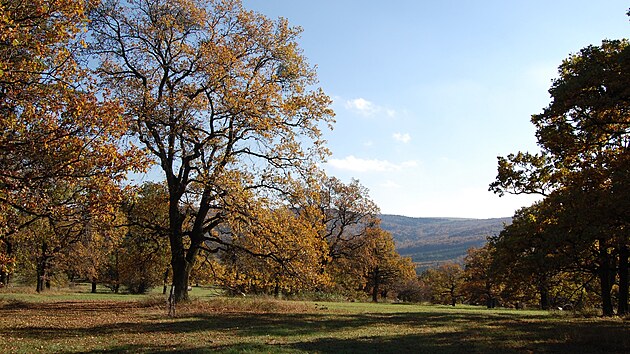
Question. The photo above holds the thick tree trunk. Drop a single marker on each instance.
(605, 287)
(375, 285)
(181, 273)
(604, 279)
(4, 278)
(622, 308)
(40, 279)
(490, 301)
(182, 260)
(544, 297)
(182, 264)
(41, 268)
(93, 285)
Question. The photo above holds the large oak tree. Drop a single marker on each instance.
(224, 101)
(584, 135)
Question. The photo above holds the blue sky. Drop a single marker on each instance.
(428, 93)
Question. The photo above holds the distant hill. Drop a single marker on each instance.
(432, 241)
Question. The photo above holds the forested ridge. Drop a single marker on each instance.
(433, 241)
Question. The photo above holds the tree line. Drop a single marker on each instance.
(221, 101)
(570, 250)
(573, 244)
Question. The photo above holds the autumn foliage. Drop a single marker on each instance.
(63, 146)
(223, 101)
(579, 232)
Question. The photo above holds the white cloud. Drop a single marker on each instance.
(355, 164)
(389, 184)
(403, 138)
(410, 163)
(362, 106)
(367, 108)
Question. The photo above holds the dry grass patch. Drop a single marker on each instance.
(251, 325)
(254, 305)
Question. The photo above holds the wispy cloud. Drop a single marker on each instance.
(409, 164)
(389, 184)
(355, 164)
(361, 106)
(403, 138)
(367, 108)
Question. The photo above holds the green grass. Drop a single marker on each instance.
(67, 324)
(82, 292)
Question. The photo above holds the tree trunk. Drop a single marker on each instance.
(164, 289)
(5, 276)
(375, 285)
(490, 302)
(181, 273)
(276, 290)
(41, 268)
(94, 285)
(40, 279)
(116, 275)
(544, 297)
(622, 308)
(179, 255)
(604, 279)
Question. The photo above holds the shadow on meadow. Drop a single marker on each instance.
(436, 332)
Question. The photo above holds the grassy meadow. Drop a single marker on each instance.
(72, 321)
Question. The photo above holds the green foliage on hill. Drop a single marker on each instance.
(434, 241)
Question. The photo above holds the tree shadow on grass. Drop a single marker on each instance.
(246, 324)
(236, 348)
(431, 332)
(512, 339)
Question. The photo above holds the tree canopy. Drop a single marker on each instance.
(224, 103)
(582, 168)
(63, 146)
(223, 100)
